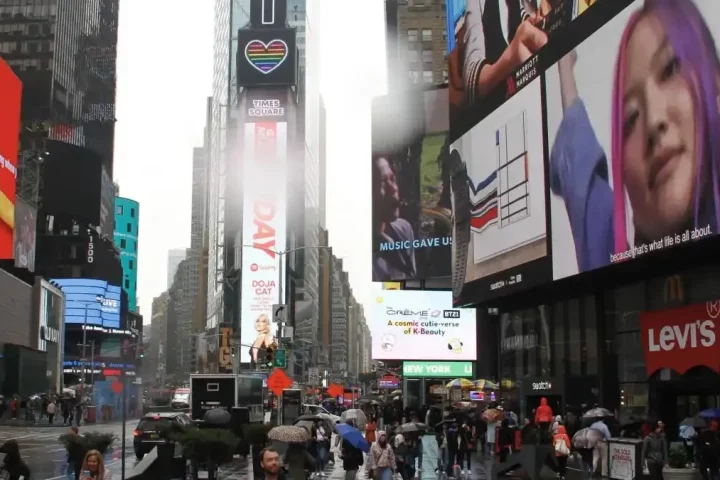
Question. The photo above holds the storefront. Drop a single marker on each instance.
(47, 333)
(424, 383)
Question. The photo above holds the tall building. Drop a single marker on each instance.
(64, 52)
(155, 355)
(127, 224)
(339, 329)
(417, 42)
(175, 256)
(180, 318)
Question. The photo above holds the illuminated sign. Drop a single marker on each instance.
(542, 386)
(91, 250)
(82, 306)
(50, 334)
(266, 56)
(225, 359)
(266, 108)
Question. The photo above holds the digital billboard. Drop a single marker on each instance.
(11, 89)
(24, 236)
(263, 231)
(411, 203)
(492, 50)
(266, 56)
(634, 134)
(504, 198)
(422, 325)
(82, 306)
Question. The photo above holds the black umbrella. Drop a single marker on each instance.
(217, 416)
(412, 427)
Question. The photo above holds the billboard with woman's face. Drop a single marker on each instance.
(633, 116)
(410, 186)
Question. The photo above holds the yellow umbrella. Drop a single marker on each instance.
(460, 383)
(483, 384)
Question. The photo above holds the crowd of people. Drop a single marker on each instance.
(39, 407)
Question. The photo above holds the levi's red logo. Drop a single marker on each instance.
(681, 338)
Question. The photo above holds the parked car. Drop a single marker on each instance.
(310, 409)
(146, 437)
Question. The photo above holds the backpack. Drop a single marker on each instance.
(561, 447)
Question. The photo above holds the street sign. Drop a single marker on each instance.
(313, 376)
(278, 381)
(279, 313)
(335, 390)
(280, 358)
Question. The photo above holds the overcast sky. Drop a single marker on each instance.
(164, 76)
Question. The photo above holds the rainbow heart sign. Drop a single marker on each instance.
(266, 57)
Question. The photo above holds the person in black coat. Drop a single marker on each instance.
(13, 467)
(352, 459)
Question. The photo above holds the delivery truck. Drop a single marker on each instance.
(209, 391)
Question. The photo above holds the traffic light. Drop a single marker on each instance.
(269, 356)
(141, 352)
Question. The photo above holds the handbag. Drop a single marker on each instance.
(561, 447)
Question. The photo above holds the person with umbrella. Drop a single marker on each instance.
(298, 461)
(381, 459)
(655, 452)
(600, 453)
(321, 442)
(687, 433)
(352, 448)
(709, 452)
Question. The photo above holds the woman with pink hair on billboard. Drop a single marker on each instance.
(665, 145)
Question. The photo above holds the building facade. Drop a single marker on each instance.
(175, 256)
(127, 229)
(155, 356)
(65, 55)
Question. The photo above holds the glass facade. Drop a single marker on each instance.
(127, 229)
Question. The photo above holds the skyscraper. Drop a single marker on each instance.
(64, 52)
(175, 256)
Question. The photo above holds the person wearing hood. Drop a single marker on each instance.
(655, 452)
(13, 466)
(708, 447)
(381, 459)
(543, 419)
(556, 424)
(561, 442)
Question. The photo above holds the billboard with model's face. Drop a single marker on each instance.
(10, 100)
(82, 305)
(411, 204)
(264, 232)
(422, 325)
(266, 56)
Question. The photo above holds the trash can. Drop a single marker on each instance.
(89, 414)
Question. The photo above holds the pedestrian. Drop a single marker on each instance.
(465, 448)
(78, 413)
(321, 439)
(13, 466)
(14, 407)
(93, 467)
(75, 454)
(492, 431)
(298, 461)
(687, 434)
(441, 439)
(709, 452)
(561, 443)
(381, 459)
(370, 429)
(556, 424)
(51, 410)
(270, 463)
(543, 419)
(505, 440)
(400, 449)
(655, 452)
(352, 459)
(600, 453)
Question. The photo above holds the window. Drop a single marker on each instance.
(427, 35)
(123, 243)
(427, 76)
(119, 210)
(413, 56)
(427, 56)
(131, 264)
(414, 76)
(412, 35)
(129, 227)
(135, 244)
(127, 284)
(132, 213)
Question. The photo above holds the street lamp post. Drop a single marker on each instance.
(98, 299)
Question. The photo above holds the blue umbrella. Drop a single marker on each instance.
(710, 413)
(353, 436)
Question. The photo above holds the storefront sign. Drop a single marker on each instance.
(681, 338)
(537, 386)
(389, 381)
(622, 461)
(438, 369)
(50, 334)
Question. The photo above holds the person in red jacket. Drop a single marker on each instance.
(561, 441)
(543, 419)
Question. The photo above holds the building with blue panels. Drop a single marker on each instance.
(127, 223)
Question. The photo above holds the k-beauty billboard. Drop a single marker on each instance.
(264, 231)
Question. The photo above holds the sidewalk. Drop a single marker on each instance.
(44, 423)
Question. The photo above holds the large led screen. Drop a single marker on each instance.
(411, 207)
(505, 198)
(82, 305)
(264, 232)
(266, 56)
(634, 133)
(421, 325)
(492, 47)
(10, 99)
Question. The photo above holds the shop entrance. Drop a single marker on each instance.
(533, 401)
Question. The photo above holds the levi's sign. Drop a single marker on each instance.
(437, 369)
(681, 338)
